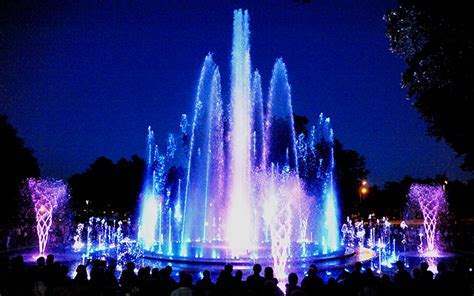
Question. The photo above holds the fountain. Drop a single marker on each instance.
(46, 195)
(243, 186)
(431, 200)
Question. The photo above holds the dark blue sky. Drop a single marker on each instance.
(85, 80)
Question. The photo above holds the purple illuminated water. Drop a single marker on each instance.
(245, 186)
(47, 195)
(431, 200)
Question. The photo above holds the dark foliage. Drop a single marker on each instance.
(436, 41)
(350, 171)
(17, 163)
(300, 124)
(108, 187)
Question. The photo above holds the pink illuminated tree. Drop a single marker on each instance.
(47, 195)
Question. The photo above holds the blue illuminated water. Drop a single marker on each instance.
(245, 185)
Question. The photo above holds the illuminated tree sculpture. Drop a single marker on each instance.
(46, 195)
(432, 202)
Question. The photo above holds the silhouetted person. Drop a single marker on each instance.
(240, 287)
(312, 283)
(356, 279)
(97, 275)
(255, 281)
(332, 287)
(292, 284)
(225, 281)
(402, 279)
(416, 273)
(443, 278)
(205, 286)
(185, 285)
(49, 270)
(370, 283)
(385, 286)
(111, 283)
(167, 283)
(268, 275)
(18, 280)
(426, 276)
(128, 278)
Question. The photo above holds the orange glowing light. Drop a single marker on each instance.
(364, 190)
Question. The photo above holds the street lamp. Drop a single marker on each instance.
(363, 190)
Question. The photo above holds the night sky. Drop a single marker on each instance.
(85, 80)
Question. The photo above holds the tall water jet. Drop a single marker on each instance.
(239, 229)
(258, 120)
(205, 158)
(331, 227)
(280, 136)
(47, 195)
(247, 189)
(149, 209)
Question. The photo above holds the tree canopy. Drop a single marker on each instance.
(17, 163)
(107, 187)
(436, 41)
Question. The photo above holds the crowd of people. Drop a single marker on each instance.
(49, 277)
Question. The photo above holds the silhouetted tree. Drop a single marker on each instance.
(300, 124)
(350, 171)
(17, 163)
(108, 187)
(436, 41)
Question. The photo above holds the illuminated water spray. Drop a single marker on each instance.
(248, 187)
(47, 195)
(432, 202)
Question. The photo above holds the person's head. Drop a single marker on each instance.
(385, 278)
(182, 277)
(81, 272)
(257, 268)
(400, 265)
(50, 259)
(111, 268)
(424, 266)
(40, 261)
(64, 270)
(155, 273)
(358, 266)
(206, 274)
(80, 268)
(293, 279)
(311, 272)
(441, 267)
(142, 272)
(268, 272)
(416, 273)
(313, 267)
(130, 266)
(168, 270)
(185, 279)
(369, 272)
(228, 268)
(332, 282)
(238, 275)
